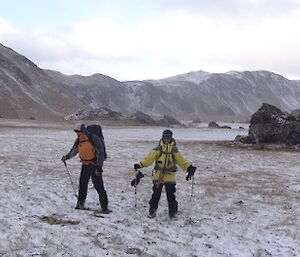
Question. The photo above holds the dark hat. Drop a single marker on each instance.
(80, 128)
(167, 134)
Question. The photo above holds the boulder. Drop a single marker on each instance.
(225, 127)
(142, 118)
(270, 125)
(213, 124)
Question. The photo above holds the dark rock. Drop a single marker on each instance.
(142, 118)
(294, 116)
(243, 139)
(266, 113)
(146, 119)
(213, 124)
(238, 138)
(270, 125)
(225, 127)
(169, 121)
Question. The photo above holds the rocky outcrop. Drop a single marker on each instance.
(103, 113)
(213, 124)
(169, 121)
(294, 116)
(270, 125)
(166, 120)
(142, 118)
(139, 118)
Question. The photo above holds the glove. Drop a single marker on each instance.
(137, 166)
(190, 170)
(137, 179)
(98, 171)
(64, 158)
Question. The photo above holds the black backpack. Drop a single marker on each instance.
(97, 130)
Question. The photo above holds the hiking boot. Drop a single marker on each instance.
(105, 211)
(173, 215)
(79, 206)
(152, 213)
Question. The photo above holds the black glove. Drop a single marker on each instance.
(137, 179)
(137, 166)
(190, 170)
(64, 158)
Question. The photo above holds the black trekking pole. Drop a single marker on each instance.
(71, 179)
(135, 182)
(191, 204)
(135, 189)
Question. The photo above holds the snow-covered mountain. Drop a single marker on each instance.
(27, 90)
(99, 90)
(232, 93)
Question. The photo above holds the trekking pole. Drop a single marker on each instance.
(135, 189)
(192, 197)
(71, 179)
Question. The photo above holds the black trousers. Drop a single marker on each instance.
(170, 190)
(88, 171)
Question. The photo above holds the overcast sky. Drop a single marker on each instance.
(151, 39)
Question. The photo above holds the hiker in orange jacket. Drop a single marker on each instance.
(92, 154)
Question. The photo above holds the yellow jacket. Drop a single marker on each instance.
(166, 157)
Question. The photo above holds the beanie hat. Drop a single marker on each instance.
(80, 128)
(167, 134)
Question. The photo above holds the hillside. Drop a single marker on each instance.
(29, 91)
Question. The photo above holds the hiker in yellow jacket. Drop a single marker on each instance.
(166, 157)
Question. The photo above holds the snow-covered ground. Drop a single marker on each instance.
(246, 202)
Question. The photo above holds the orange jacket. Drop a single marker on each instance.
(90, 149)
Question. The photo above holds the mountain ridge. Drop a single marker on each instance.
(29, 91)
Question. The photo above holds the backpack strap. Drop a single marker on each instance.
(84, 141)
(159, 147)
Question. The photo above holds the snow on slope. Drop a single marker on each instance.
(246, 202)
(193, 76)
